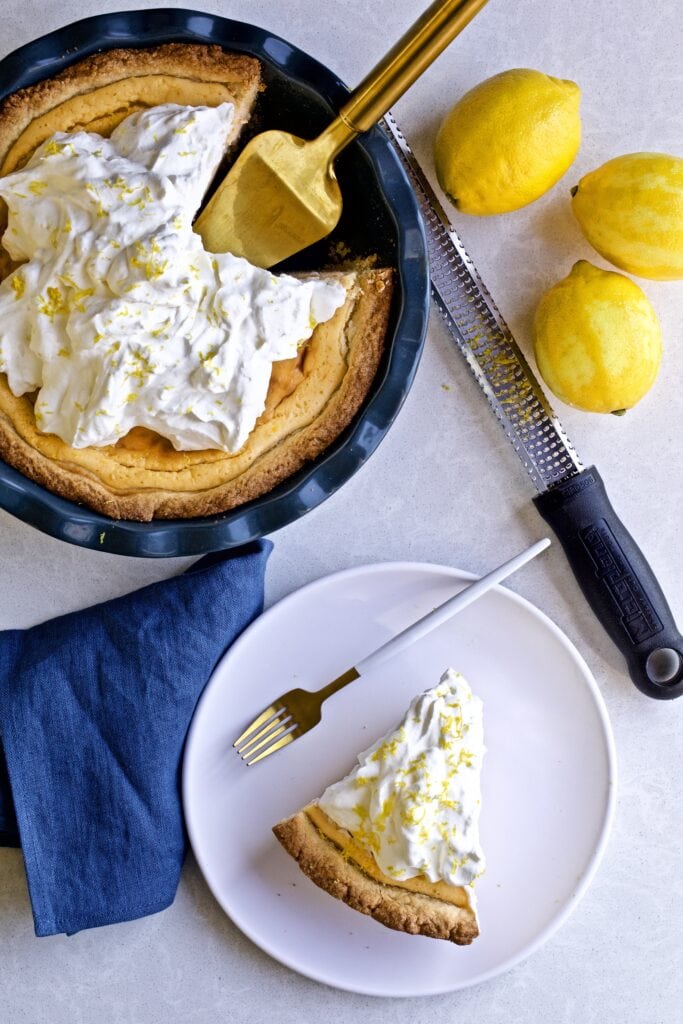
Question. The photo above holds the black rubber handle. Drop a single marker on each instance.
(617, 581)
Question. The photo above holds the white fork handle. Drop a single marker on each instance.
(449, 608)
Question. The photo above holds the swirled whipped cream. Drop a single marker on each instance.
(118, 317)
(414, 798)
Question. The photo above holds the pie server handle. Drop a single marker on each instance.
(617, 581)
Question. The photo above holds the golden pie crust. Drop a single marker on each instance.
(331, 858)
(311, 399)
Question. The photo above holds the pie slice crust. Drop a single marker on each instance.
(331, 858)
(311, 399)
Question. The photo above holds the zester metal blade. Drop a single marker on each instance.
(485, 340)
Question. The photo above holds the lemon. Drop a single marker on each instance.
(631, 211)
(507, 141)
(597, 340)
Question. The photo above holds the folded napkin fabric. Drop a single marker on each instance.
(94, 710)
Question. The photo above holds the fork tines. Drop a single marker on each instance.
(272, 729)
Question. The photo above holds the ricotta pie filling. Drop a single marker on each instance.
(117, 316)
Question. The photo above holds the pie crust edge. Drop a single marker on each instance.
(25, 105)
(394, 907)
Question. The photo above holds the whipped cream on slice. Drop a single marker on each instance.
(414, 798)
(118, 317)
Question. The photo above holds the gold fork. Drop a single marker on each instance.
(295, 712)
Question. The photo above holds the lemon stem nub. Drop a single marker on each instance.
(574, 190)
(618, 412)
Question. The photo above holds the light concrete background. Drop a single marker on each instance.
(443, 487)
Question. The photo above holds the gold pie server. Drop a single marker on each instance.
(282, 195)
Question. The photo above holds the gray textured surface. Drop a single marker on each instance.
(443, 487)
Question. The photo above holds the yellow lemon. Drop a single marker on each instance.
(631, 211)
(507, 141)
(597, 340)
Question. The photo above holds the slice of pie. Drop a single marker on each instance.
(398, 838)
(311, 397)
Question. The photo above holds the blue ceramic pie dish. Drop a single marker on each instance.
(381, 216)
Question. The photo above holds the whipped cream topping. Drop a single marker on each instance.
(414, 798)
(118, 317)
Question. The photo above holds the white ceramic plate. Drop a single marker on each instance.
(548, 778)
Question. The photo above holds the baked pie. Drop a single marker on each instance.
(118, 387)
(398, 838)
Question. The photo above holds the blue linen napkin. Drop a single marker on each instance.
(94, 709)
